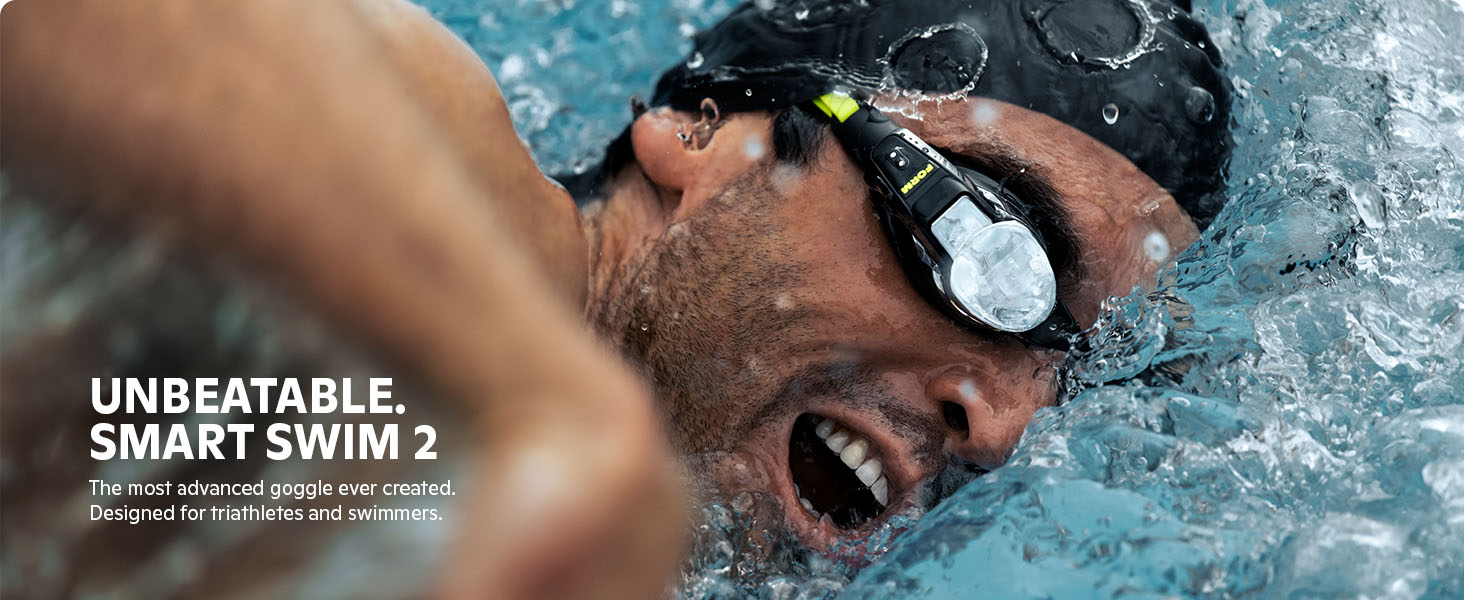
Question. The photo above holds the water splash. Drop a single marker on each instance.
(1280, 419)
(740, 549)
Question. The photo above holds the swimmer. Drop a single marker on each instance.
(734, 287)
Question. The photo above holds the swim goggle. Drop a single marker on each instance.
(959, 234)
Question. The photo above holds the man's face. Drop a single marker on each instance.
(789, 352)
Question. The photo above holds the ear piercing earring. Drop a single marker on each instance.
(695, 136)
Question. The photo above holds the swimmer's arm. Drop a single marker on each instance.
(459, 94)
(453, 92)
(277, 132)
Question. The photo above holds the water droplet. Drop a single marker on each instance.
(1156, 247)
(695, 61)
(784, 301)
(513, 67)
(1148, 208)
(1199, 105)
(752, 147)
(1110, 113)
(1372, 206)
(743, 501)
(984, 113)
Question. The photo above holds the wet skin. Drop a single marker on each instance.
(838, 332)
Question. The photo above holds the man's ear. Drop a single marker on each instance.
(661, 141)
(692, 156)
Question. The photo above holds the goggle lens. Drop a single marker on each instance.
(999, 273)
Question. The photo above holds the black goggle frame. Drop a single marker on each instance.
(916, 184)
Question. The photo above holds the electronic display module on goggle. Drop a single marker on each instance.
(959, 235)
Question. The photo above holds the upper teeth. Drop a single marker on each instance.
(825, 427)
(854, 451)
(837, 440)
(853, 454)
(869, 471)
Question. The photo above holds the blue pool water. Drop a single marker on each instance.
(1282, 419)
(568, 68)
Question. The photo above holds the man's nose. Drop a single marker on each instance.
(984, 417)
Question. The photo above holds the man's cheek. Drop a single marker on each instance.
(728, 473)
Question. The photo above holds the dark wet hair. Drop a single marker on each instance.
(797, 136)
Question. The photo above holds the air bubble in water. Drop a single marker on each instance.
(1110, 113)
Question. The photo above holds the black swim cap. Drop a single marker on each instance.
(1140, 76)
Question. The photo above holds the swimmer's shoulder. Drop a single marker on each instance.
(459, 94)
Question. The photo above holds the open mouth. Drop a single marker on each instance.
(836, 472)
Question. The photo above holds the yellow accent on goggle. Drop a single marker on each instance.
(837, 105)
